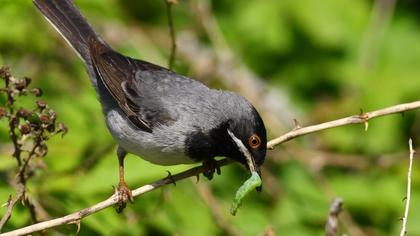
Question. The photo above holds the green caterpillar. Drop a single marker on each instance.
(250, 184)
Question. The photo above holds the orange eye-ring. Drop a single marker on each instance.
(254, 141)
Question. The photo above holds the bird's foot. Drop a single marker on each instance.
(210, 167)
(124, 195)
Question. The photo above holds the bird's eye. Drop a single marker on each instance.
(254, 141)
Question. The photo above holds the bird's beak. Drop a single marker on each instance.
(252, 167)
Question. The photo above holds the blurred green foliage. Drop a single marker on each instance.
(325, 54)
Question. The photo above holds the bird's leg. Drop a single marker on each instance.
(123, 192)
(210, 167)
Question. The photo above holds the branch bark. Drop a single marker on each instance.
(75, 217)
(331, 227)
(11, 202)
(408, 197)
(355, 119)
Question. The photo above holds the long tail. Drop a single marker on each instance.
(67, 20)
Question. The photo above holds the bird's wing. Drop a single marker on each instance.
(119, 74)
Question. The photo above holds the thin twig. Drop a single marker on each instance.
(408, 197)
(12, 133)
(24, 125)
(356, 119)
(169, 4)
(11, 204)
(20, 193)
(77, 216)
(331, 227)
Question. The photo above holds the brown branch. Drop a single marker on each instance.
(12, 133)
(11, 202)
(356, 119)
(21, 179)
(21, 186)
(77, 216)
(408, 197)
(331, 227)
(25, 125)
(169, 4)
(25, 164)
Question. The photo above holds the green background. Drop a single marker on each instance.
(329, 58)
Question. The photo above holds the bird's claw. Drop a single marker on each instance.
(210, 167)
(124, 195)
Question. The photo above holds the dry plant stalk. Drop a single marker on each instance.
(331, 227)
(29, 130)
(408, 196)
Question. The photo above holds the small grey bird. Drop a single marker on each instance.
(152, 112)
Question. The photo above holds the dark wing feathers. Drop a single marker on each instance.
(130, 94)
(118, 74)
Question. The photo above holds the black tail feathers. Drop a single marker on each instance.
(69, 22)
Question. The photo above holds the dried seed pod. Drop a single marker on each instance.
(37, 92)
(41, 104)
(51, 128)
(20, 84)
(25, 128)
(27, 81)
(14, 121)
(45, 119)
(62, 129)
(5, 72)
(22, 113)
(52, 115)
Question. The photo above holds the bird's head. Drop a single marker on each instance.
(249, 140)
(237, 132)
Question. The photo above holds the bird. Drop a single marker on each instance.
(154, 113)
